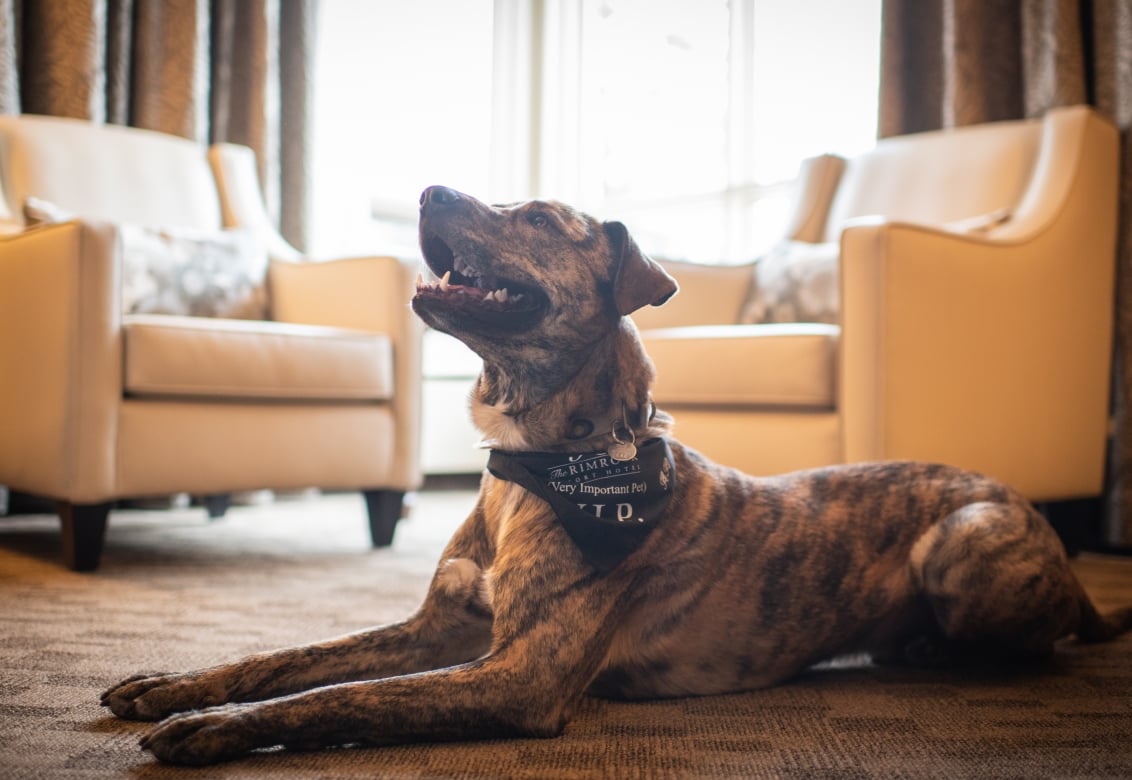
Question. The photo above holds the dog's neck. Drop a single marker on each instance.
(568, 404)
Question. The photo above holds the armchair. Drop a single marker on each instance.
(976, 273)
(98, 403)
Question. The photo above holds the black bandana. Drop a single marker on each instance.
(607, 507)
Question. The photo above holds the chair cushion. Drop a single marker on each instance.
(939, 177)
(774, 365)
(107, 172)
(202, 357)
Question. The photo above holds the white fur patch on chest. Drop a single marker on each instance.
(499, 429)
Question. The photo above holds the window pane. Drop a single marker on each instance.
(402, 100)
(678, 112)
(816, 71)
(691, 111)
(655, 88)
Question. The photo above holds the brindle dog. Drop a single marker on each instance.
(737, 583)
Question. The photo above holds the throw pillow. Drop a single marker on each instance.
(182, 271)
(795, 282)
(195, 273)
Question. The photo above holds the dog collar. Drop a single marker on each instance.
(607, 506)
(620, 426)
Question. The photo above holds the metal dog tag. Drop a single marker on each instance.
(622, 450)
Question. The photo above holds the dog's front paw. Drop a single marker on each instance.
(198, 738)
(154, 696)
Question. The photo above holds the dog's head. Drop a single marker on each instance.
(529, 276)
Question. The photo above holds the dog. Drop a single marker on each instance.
(605, 558)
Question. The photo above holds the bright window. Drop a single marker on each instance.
(695, 115)
(683, 118)
(402, 100)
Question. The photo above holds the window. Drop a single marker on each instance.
(686, 119)
(402, 100)
(695, 116)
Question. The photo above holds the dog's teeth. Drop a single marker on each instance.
(445, 280)
(501, 295)
(420, 281)
(489, 297)
(518, 297)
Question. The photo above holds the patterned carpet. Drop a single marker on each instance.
(176, 591)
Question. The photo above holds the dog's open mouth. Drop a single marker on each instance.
(461, 286)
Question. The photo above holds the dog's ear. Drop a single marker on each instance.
(638, 280)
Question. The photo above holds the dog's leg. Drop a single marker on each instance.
(493, 698)
(551, 637)
(453, 626)
(998, 583)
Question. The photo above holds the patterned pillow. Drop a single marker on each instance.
(795, 282)
(182, 271)
(200, 274)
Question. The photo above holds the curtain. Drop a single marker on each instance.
(226, 70)
(946, 63)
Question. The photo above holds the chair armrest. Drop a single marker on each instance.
(814, 188)
(241, 199)
(365, 293)
(60, 359)
(966, 349)
(708, 295)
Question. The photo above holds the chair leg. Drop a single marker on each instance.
(84, 529)
(217, 504)
(384, 507)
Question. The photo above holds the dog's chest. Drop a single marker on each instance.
(607, 506)
(499, 429)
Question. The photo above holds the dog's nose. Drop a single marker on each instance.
(439, 196)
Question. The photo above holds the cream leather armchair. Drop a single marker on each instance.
(976, 273)
(97, 404)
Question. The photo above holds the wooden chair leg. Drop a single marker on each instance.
(384, 507)
(217, 504)
(84, 529)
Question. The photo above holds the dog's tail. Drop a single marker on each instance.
(1096, 626)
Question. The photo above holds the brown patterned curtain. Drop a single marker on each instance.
(225, 70)
(946, 63)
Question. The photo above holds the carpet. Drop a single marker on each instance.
(177, 591)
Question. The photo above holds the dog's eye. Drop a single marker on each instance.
(538, 220)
